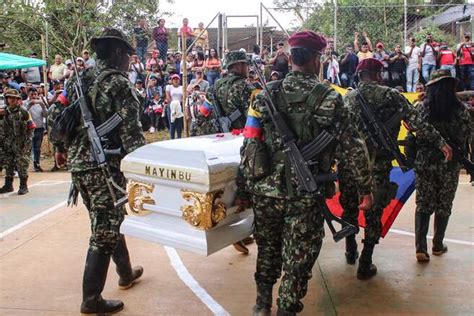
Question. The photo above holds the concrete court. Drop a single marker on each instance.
(41, 267)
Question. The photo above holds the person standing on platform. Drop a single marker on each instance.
(289, 225)
(107, 91)
(389, 108)
(436, 178)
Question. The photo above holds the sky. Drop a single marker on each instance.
(205, 10)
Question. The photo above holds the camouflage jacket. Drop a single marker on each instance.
(18, 128)
(114, 94)
(233, 92)
(458, 130)
(53, 112)
(391, 108)
(307, 121)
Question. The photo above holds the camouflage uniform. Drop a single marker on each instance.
(200, 124)
(232, 92)
(289, 224)
(436, 179)
(53, 112)
(114, 94)
(2, 141)
(390, 107)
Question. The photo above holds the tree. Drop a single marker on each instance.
(69, 25)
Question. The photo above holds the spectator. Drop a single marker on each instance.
(38, 111)
(69, 70)
(348, 64)
(212, 66)
(412, 52)
(382, 56)
(332, 72)
(88, 61)
(31, 74)
(447, 59)
(199, 63)
(140, 89)
(256, 56)
(156, 107)
(154, 60)
(189, 66)
(136, 70)
(275, 75)
(365, 50)
(331, 48)
(188, 32)
(466, 63)
(8, 82)
(203, 40)
(280, 61)
(427, 58)
(178, 57)
(160, 35)
(199, 81)
(80, 64)
(174, 112)
(140, 40)
(152, 90)
(56, 71)
(397, 66)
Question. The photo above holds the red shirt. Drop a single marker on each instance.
(160, 34)
(466, 58)
(447, 57)
(186, 30)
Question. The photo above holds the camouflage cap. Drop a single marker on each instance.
(12, 93)
(112, 34)
(235, 57)
(440, 74)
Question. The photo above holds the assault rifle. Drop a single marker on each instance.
(300, 161)
(222, 122)
(460, 155)
(379, 134)
(96, 136)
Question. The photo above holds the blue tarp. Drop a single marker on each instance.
(11, 61)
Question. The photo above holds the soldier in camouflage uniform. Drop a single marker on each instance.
(390, 107)
(232, 93)
(2, 134)
(18, 129)
(436, 178)
(107, 91)
(289, 226)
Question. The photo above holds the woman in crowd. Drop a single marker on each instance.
(174, 111)
(198, 81)
(136, 69)
(160, 35)
(437, 179)
(189, 66)
(198, 63)
(157, 74)
(154, 60)
(152, 90)
(213, 66)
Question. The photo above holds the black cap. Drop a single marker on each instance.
(139, 81)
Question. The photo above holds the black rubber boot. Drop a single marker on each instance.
(263, 306)
(422, 223)
(351, 249)
(281, 312)
(23, 186)
(8, 186)
(124, 268)
(366, 268)
(440, 225)
(37, 167)
(95, 274)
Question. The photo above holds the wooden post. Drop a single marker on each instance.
(45, 58)
(185, 84)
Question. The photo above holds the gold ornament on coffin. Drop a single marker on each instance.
(206, 211)
(139, 194)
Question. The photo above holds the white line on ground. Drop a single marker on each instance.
(454, 241)
(189, 280)
(31, 219)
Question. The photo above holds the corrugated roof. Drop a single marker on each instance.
(453, 14)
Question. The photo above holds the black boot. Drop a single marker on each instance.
(263, 306)
(95, 274)
(124, 268)
(281, 312)
(37, 167)
(8, 187)
(351, 249)
(23, 186)
(440, 225)
(422, 223)
(366, 268)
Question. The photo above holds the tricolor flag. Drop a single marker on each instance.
(253, 126)
(30, 124)
(206, 108)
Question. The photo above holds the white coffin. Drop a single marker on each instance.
(200, 166)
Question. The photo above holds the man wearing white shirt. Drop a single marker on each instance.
(412, 51)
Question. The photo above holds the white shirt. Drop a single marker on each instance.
(429, 58)
(175, 110)
(413, 60)
(175, 93)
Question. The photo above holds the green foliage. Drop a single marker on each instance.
(70, 24)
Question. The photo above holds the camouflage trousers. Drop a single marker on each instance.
(436, 188)
(289, 236)
(384, 191)
(105, 218)
(19, 161)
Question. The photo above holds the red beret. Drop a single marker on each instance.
(309, 40)
(369, 64)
